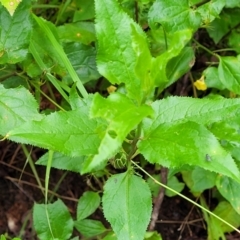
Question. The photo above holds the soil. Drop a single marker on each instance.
(178, 219)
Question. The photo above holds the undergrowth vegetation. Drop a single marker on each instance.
(109, 70)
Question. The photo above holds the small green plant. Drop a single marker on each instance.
(136, 124)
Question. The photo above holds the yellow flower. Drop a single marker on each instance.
(200, 84)
(111, 89)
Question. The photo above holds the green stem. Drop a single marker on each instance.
(57, 185)
(45, 6)
(49, 165)
(194, 89)
(134, 145)
(62, 10)
(44, 68)
(165, 39)
(46, 96)
(29, 159)
(224, 50)
(206, 49)
(186, 198)
(50, 91)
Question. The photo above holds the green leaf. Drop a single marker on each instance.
(172, 182)
(17, 106)
(180, 65)
(144, 61)
(87, 204)
(83, 60)
(59, 219)
(30, 66)
(158, 40)
(213, 225)
(233, 40)
(229, 138)
(71, 133)
(231, 130)
(230, 189)
(63, 162)
(182, 109)
(50, 32)
(121, 113)
(225, 211)
(2, 237)
(211, 10)
(232, 3)
(122, 116)
(110, 236)
(212, 78)
(75, 238)
(174, 15)
(228, 20)
(175, 184)
(152, 184)
(74, 99)
(161, 73)
(117, 59)
(15, 33)
(176, 144)
(10, 5)
(90, 228)
(214, 230)
(229, 74)
(83, 32)
(85, 12)
(199, 179)
(127, 205)
(152, 236)
(48, 54)
(14, 82)
(193, 2)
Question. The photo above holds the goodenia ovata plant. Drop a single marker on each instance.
(171, 132)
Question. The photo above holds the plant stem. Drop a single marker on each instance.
(31, 163)
(57, 185)
(45, 6)
(206, 49)
(193, 87)
(186, 198)
(224, 50)
(134, 145)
